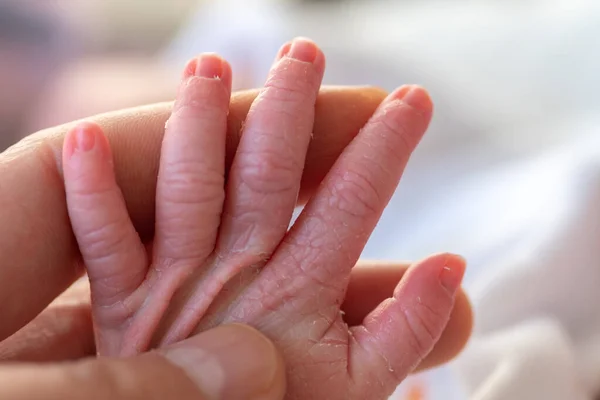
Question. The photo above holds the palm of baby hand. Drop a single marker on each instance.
(222, 251)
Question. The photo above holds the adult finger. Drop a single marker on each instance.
(372, 282)
(40, 255)
(63, 331)
(229, 362)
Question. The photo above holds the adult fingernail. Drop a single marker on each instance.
(300, 49)
(231, 362)
(452, 273)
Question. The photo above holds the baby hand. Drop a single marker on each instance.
(222, 251)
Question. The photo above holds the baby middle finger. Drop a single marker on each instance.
(265, 175)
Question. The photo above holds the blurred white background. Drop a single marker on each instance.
(507, 176)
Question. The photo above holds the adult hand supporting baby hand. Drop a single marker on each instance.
(204, 367)
(40, 254)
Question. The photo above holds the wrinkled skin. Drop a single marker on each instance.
(41, 258)
(222, 251)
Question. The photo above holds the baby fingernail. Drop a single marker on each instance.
(284, 50)
(300, 49)
(83, 138)
(231, 362)
(414, 96)
(205, 66)
(452, 273)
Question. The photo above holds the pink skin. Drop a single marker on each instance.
(222, 252)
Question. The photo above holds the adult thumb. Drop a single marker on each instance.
(227, 362)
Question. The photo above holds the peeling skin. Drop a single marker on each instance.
(233, 258)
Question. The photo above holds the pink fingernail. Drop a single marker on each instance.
(302, 50)
(415, 96)
(452, 273)
(284, 50)
(205, 66)
(82, 138)
(85, 139)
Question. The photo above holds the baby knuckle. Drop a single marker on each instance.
(268, 172)
(354, 194)
(281, 87)
(191, 182)
(275, 92)
(200, 95)
(103, 240)
(194, 114)
(423, 327)
(392, 124)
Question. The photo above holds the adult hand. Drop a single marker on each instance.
(204, 367)
(40, 255)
